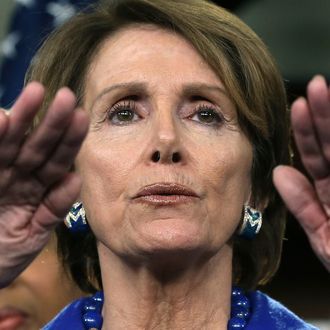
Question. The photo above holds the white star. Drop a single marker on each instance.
(25, 3)
(60, 11)
(8, 45)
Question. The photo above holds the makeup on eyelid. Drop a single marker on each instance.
(207, 114)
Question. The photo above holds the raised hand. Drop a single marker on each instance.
(310, 201)
(36, 187)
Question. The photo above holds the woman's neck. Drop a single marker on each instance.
(194, 297)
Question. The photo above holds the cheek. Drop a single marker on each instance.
(106, 167)
(226, 171)
(233, 171)
(225, 162)
(42, 280)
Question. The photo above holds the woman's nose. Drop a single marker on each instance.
(173, 157)
(167, 143)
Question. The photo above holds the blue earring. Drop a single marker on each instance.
(252, 222)
(76, 219)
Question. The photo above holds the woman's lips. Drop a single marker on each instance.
(12, 318)
(165, 194)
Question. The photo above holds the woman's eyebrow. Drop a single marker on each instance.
(133, 86)
(196, 88)
(139, 86)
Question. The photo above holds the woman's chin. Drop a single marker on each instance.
(172, 236)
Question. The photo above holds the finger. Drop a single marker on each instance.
(63, 156)
(319, 104)
(300, 198)
(3, 122)
(43, 141)
(306, 140)
(20, 119)
(56, 204)
(24, 110)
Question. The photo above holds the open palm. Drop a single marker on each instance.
(36, 188)
(310, 201)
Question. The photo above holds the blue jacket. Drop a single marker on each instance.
(266, 314)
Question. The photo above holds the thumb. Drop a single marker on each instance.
(300, 197)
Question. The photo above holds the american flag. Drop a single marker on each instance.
(31, 22)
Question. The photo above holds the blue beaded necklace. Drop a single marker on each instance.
(240, 311)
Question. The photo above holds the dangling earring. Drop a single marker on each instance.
(252, 221)
(76, 219)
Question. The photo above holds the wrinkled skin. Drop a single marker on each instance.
(165, 97)
(309, 201)
(37, 189)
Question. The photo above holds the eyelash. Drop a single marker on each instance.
(122, 106)
(130, 105)
(219, 119)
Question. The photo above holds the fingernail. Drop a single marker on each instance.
(4, 111)
(318, 77)
(300, 99)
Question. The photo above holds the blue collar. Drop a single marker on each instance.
(266, 313)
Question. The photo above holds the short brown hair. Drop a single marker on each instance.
(253, 83)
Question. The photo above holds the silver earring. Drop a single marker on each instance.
(76, 219)
(252, 221)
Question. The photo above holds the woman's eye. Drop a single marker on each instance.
(123, 113)
(207, 115)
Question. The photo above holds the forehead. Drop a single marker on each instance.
(148, 54)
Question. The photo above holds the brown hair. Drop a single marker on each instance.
(251, 78)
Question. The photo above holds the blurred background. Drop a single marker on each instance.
(6, 8)
(297, 33)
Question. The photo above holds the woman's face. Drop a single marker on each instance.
(38, 294)
(165, 166)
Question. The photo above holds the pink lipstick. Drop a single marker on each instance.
(12, 318)
(165, 194)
